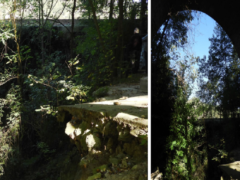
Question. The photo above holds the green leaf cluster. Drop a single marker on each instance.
(184, 141)
(97, 66)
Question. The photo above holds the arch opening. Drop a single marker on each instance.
(161, 69)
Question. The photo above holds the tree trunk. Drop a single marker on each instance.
(42, 30)
(71, 40)
(97, 26)
(12, 16)
(119, 53)
(111, 9)
(142, 14)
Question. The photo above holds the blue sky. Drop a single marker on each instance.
(201, 31)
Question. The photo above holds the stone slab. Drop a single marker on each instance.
(231, 170)
(132, 111)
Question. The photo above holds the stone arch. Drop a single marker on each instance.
(225, 13)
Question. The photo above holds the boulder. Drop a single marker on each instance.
(234, 155)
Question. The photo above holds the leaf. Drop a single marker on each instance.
(70, 98)
(173, 144)
(76, 62)
(180, 153)
(143, 142)
(16, 114)
(175, 161)
(5, 147)
(93, 52)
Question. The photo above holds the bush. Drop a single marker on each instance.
(101, 92)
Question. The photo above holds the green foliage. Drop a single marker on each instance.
(144, 139)
(44, 150)
(186, 137)
(58, 89)
(5, 33)
(186, 151)
(164, 84)
(31, 161)
(48, 77)
(221, 151)
(101, 92)
(221, 69)
(96, 66)
(10, 135)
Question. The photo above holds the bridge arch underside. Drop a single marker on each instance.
(225, 13)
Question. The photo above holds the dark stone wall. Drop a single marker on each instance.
(217, 130)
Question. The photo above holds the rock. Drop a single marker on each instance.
(110, 129)
(96, 152)
(81, 142)
(139, 152)
(127, 148)
(234, 155)
(83, 163)
(111, 144)
(231, 170)
(125, 136)
(69, 128)
(139, 173)
(105, 134)
(141, 177)
(120, 126)
(137, 166)
(118, 149)
(93, 141)
(156, 175)
(136, 132)
(121, 155)
(134, 149)
(125, 162)
(115, 161)
(84, 126)
(140, 166)
(102, 168)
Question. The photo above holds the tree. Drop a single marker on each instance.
(164, 86)
(49, 80)
(186, 73)
(185, 136)
(106, 52)
(231, 95)
(216, 69)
